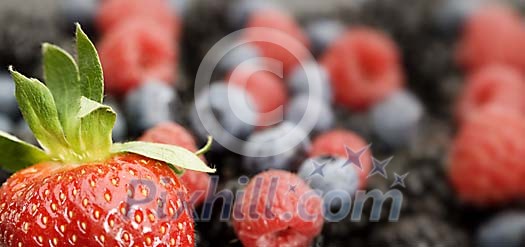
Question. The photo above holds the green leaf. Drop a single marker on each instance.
(170, 154)
(90, 69)
(38, 108)
(62, 79)
(17, 154)
(96, 125)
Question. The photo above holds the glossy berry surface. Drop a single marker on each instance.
(505, 229)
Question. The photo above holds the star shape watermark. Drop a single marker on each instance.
(399, 180)
(292, 188)
(355, 157)
(318, 168)
(379, 167)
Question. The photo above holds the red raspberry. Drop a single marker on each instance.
(364, 68)
(267, 90)
(138, 51)
(492, 85)
(334, 142)
(292, 217)
(486, 161)
(281, 49)
(174, 134)
(493, 34)
(113, 13)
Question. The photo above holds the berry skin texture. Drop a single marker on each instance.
(90, 204)
(492, 85)
(137, 52)
(332, 143)
(279, 48)
(485, 163)
(492, 35)
(271, 227)
(505, 229)
(364, 67)
(174, 134)
(266, 89)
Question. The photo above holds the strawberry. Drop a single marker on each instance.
(171, 133)
(81, 188)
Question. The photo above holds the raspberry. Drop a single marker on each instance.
(138, 51)
(364, 67)
(332, 143)
(279, 48)
(291, 217)
(174, 134)
(113, 13)
(493, 34)
(267, 90)
(492, 85)
(486, 160)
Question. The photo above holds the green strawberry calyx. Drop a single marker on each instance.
(69, 119)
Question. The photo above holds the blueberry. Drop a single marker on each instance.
(396, 119)
(120, 130)
(8, 105)
(237, 55)
(298, 80)
(150, 104)
(180, 6)
(241, 10)
(81, 11)
(322, 33)
(330, 175)
(5, 124)
(449, 16)
(4, 175)
(297, 107)
(228, 126)
(23, 132)
(507, 229)
(281, 147)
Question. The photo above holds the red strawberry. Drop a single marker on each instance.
(492, 35)
(364, 67)
(113, 13)
(171, 133)
(283, 39)
(290, 217)
(486, 160)
(81, 188)
(134, 53)
(266, 89)
(334, 142)
(492, 85)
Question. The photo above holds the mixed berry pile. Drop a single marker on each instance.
(420, 98)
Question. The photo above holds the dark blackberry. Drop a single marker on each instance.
(417, 231)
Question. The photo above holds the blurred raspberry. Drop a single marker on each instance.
(333, 143)
(135, 53)
(492, 85)
(289, 215)
(492, 34)
(280, 48)
(364, 67)
(486, 161)
(267, 90)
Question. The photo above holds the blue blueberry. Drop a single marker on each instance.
(23, 132)
(228, 126)
(5, 124)
(120, 130)
(322, 33)
(8, 105)
(180, 6)
(81, 11)
(241, 10)
(396, 119)
(297, 107)
(507, 229)
(329, 175)
(237, 55)
(299, 81)
(150, 104)
(281, 147)
(449, 15)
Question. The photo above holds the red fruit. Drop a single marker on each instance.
(364, 68)
(334, 142)
(486, 160)
(113, 13)
(267, 90)
(52, 204)
(138, 51)
(292, 217)
(283, 40)
(171, 133)
(492, 85)
(492, 35)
